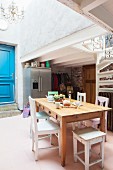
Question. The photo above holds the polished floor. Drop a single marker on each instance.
(16, 154)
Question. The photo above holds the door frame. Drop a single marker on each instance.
(13, 48)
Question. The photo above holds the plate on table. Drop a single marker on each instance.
(51, 101)
(78, 103)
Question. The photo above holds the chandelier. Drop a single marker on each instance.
(12, 13)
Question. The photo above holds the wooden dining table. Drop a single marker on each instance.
(71, 114)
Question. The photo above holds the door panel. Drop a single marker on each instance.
(4, 69)
(7, 74)
(92, 73)
(87, 90)
(93, 92)
(89, 80)
(45, 81)
(35, 83)
(5, 90)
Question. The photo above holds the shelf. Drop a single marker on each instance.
(106, 89)
(104, 64)
(105, 82)
(105, 72)
(105, 85)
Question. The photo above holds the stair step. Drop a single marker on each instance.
(9, 113)
(8, 107)
(104, 64)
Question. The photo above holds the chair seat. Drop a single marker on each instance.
(42, 115)
(88, 133)
(47, 126)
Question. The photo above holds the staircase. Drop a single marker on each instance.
(9, 110)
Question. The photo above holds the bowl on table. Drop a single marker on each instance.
(77, 103)
(59, 98)
(66, 103)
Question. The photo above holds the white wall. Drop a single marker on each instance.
(47, 21)
(11, 35)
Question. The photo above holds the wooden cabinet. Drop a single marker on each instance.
(89, 82)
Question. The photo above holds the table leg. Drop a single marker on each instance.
(63, 141)
(102, 122)
(37, 108)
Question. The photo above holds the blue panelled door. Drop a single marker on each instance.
(7, 74)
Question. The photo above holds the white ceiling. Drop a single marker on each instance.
(99, 11)
(70, 51)
(69, 57)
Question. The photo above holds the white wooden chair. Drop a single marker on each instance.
(82, 98)
(41, 128)
(88, 136)
(40, 115)
(102, 101)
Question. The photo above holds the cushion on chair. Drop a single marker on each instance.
(42, 115)
(47, 125)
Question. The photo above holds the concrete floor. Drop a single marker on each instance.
(16, 154)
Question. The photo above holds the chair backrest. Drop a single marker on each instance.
(52, 93)
(102, 101)
(33, 114)
(81, 97)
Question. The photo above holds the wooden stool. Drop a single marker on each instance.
(88, 136)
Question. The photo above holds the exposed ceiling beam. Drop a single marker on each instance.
(78, 64)
(83, 5)
(82, 47)
(81, 64)
(58, 54)
(71, 4)
(77, 56)
(78, 60)
(103, 15)
(87, 5)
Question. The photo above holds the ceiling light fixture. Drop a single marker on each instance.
(12, 13)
